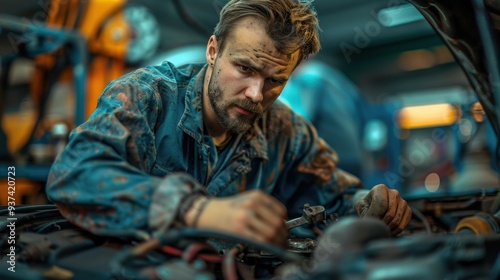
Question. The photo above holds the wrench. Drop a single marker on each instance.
(311, 215)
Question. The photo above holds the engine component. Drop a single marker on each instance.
(311, 215)
(481, 223)
(302, 245)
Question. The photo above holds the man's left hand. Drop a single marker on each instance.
(386, 204)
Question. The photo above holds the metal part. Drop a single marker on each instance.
(302, 245)
(311, 215)
(481, 223)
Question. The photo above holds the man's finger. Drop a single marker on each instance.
(275, 233)
(272, 204)
(261, 227)
(399, 212)
(361, 207)
(380, 202)
(252, 233)
(393, 206)
(268, 218)
(404, 221)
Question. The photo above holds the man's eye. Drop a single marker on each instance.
(244, 68)
(276, 81)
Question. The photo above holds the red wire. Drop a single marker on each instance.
(192, 251)
(172, 251)
(211, 258)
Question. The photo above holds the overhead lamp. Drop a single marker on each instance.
(413, 117)
(399, 15)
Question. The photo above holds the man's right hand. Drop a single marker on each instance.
(253, 214)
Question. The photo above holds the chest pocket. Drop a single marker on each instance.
(173, 154)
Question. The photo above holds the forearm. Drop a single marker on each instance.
(118, 197)
(97, 196)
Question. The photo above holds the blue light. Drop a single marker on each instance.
(399, 15)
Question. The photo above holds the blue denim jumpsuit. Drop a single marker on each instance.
(143, 150)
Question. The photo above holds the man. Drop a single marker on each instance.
(205, 145)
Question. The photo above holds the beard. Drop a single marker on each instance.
(236, 123)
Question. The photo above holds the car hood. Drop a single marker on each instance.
(471, 29)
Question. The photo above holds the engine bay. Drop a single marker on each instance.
(455, 237)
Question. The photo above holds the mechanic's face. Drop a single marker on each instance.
(248, 75)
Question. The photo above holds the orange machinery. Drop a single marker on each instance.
(106, 35)
(103, 25)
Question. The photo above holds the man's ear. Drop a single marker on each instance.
(212, 49)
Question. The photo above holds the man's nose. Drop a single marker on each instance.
(254, 90)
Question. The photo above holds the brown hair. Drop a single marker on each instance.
(291, 24)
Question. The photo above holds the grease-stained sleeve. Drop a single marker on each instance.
(101, 180)
(308, 168)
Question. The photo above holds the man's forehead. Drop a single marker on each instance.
(254, 27)
(254, 55)
(249, 39)
(260, 49)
